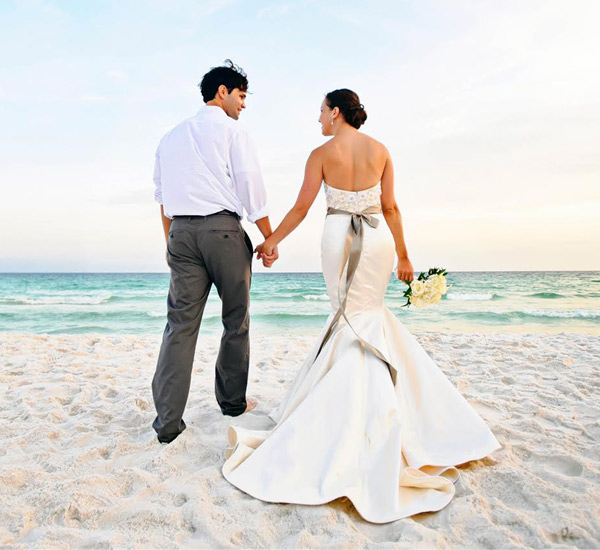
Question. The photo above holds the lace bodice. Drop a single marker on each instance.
(352, 201)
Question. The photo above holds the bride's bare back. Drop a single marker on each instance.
(350, 161)
(353, 162)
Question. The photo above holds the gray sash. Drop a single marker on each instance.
(354, 244)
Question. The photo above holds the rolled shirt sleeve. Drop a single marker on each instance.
(247, 176)
(157, 180)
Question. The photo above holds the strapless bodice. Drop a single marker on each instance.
(352, 201)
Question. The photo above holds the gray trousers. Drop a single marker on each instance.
(202, 251)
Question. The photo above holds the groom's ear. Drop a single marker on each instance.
(222, 91)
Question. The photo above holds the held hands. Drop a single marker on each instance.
(267, 252)
(405, 270)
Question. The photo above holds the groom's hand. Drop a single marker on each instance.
(267, 253)
(268, 261)
(265, 249)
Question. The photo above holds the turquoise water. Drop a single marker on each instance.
(287, 302)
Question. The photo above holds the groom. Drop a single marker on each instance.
(206, 174)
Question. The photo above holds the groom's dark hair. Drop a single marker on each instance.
(231, 76)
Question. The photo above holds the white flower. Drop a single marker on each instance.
(431, 290)
(428, 291)
(428, 294)
(417, 302)
(417, 288)
(439, 283)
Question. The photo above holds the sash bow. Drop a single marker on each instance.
(354, 243)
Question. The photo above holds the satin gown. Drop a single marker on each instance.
(388, 433)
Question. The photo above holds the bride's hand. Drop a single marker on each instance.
(267, 252)
(268, 261)
(406, 272)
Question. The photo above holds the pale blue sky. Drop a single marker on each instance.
(490, 110)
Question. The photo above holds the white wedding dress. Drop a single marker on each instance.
(370, 416)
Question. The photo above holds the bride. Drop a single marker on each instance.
(370, 416)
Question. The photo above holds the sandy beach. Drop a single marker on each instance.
(80, 466)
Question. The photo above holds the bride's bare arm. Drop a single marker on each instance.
(393, 218)
(313, 176)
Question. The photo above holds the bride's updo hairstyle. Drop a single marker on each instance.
(349, 105)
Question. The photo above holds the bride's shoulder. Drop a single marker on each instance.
(328, 145)
(316, 159)
(319, 153)
(375, 150)
(373, 142)
(331, 148)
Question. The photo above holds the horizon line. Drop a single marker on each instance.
(290, 272)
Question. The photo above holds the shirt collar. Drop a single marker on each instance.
(213, 110)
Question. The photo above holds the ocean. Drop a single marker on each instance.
(135, 303)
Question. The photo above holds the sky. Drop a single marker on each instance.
(490, 110)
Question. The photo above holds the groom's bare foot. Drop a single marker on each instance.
(251, 403)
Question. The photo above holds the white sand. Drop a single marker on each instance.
(80, 465)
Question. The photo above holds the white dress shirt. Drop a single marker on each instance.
(208, 163)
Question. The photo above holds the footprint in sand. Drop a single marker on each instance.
(562, 464)
(142, 403)
(105, 452)
(180, 500)
(567, 465)
(487, 411)
(545, 420)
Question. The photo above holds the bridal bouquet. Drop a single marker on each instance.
(427, 289)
